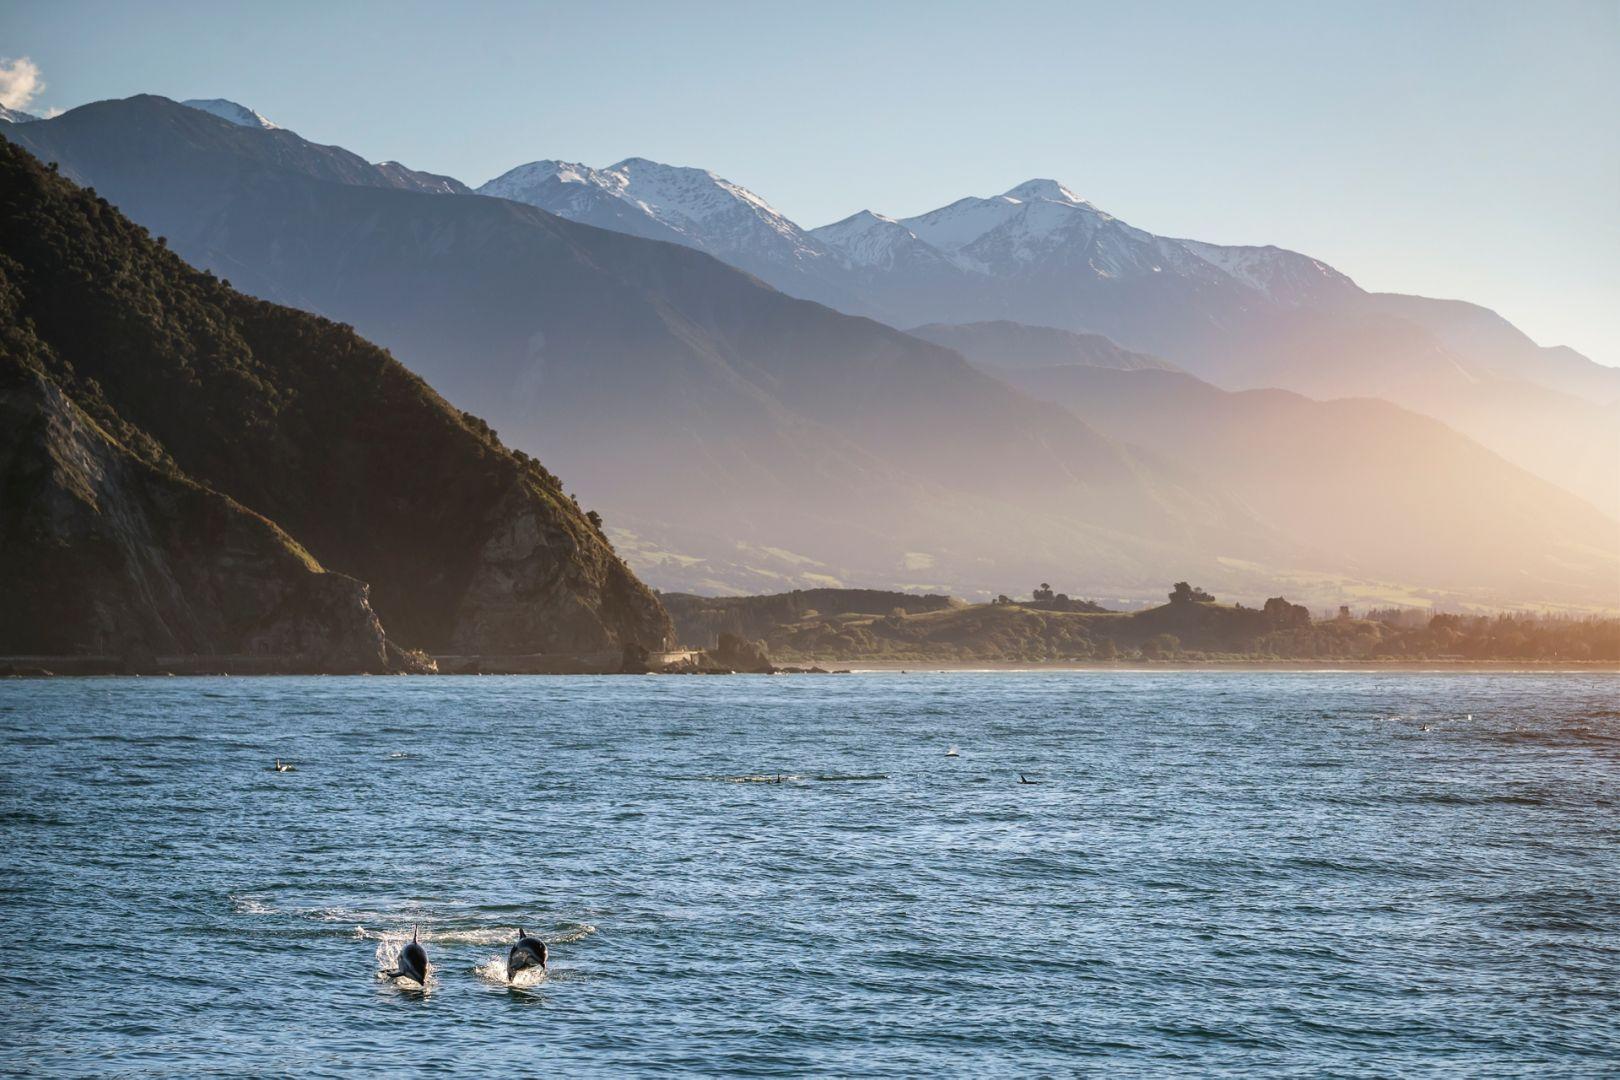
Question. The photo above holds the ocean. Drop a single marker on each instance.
(1226, 872)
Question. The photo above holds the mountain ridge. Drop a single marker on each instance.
(1242, 316)
(666, 385)
(728, 431)
(465, 546)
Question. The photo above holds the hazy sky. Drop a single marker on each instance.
(1451, 149)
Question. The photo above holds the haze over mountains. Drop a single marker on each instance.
(1239, 316)
(739, 439)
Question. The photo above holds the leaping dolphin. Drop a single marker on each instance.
(413, 961)
(527, 953)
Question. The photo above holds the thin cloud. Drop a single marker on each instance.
(20, 82)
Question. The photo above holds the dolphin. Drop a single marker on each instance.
(527, 953)
(413, 961)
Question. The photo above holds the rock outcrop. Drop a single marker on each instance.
(104, 554)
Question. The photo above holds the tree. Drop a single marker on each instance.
(1184, 593)
(1280, 613)
(1044, 593)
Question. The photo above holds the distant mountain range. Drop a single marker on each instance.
(1239, 316)
(742, 440)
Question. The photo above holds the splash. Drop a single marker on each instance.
(387, 954)
(494, 970)
(479, 935)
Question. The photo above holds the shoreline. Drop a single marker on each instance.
(1140, 667)
(923, 667)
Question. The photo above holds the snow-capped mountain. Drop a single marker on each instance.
(869, 241)
(1041, 226)
(686, 206)
(904, 271)
(16, 116)
(240, 115)
(403, 176)
(692, 206)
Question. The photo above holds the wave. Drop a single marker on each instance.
(252, 905)
(565, 934)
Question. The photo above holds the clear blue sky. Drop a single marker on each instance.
(1451, 149)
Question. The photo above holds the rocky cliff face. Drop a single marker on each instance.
(104, 554)
(541, 583)
(462, 543)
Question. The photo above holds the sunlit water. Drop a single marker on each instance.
(1357, 874)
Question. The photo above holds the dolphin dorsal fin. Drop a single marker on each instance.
(521, 934)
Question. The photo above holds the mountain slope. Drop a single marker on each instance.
(685, 399)
(231, 112)
(195, 135)
(1501, 350)
(693, 207)
(735, 437)
(1238, 316)
(104, 554)
(1014, 345)
(467, 547)
(1367, 484)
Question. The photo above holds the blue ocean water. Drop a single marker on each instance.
(1223, 872)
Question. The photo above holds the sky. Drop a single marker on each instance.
(1464, 149)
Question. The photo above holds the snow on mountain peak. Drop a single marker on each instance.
(240, 115)
(868, 239)
(1037, 227)
(538, 172)
(16, 116)
(702, 209)
(1049, 190)
(697, 195)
